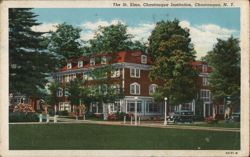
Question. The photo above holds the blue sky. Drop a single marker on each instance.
(205, 24)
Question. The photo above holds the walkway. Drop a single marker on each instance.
(154, 124)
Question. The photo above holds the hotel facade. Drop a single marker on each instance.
(130, 74)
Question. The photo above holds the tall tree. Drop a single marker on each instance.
(114, 38)
(225, 61)
(52, 97)
(170, 47)
(29, 62)
(65, 41)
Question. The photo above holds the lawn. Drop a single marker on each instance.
(220, 124)
(90, 136)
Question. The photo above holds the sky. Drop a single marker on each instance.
(205, 24)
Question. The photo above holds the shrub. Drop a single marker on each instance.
(23, 117)
(89, 115)
(63, 113)
(120, 115)
(211, 120)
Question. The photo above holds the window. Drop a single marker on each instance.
(66, 93)
(205, 95)
(115, 88)
(152, 107)
(103, 60)
(131, 106)
(143, 59)
(87, 76)
(92, 61)
(103, 89)
(205, 81)
(152, 88)
(115, 107)
(80, 64)
(66, 78)
(59, 92)
(115, 73)
(135, 72)
(69, 65)
(204, 68)
(64, 106)
(135, 88)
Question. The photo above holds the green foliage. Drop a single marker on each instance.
(172, 52)
(225, 61)
(23, 117)
(65, 41)
(167, 37)
(52, 97)
(63, 113)
(75, 90)
(113, 38)
(29, 62)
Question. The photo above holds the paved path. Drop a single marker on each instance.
(155, 124)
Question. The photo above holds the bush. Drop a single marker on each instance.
(23, 117)
(211, 120)
(199, 118)
(117, 116)
(63, 113)
(89, 115)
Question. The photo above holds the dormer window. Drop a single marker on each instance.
(143, 59)
(80, 64)
(92, 61)
(103, 60)
(204, 68)
(69, 65)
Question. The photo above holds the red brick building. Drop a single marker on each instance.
(209, 107)
(131, 74)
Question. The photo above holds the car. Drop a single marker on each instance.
(181, 116)
(235, 116)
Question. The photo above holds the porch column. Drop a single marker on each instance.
(126, 106)
(97, 108)
(204, 110)
(209, 109)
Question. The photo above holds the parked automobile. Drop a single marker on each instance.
(181, 116)
(235, 116)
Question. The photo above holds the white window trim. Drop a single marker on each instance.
(204, 68)
(115, 73)
(135, 73)
(205, 98)
(92, 61)
(104, 60)
(59, 92)
(134, 92)
(69, 65)
(205, 81)
(144, 59)
(80, 64)
(153, 87)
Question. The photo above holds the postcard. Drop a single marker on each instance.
(124, 78)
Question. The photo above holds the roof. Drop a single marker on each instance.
(116, 57)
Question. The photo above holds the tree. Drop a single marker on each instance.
(168, 36)
(170, 47)
(52, 97)
(225, 62)
(29, 62)
(65, 41)
(114, 38)
(74, 91)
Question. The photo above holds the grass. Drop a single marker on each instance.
(91, 136)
